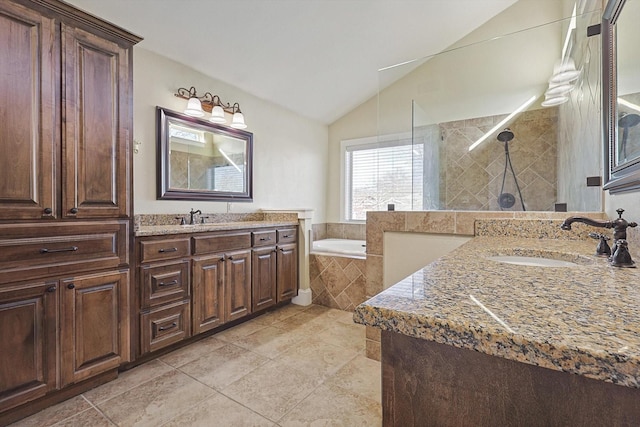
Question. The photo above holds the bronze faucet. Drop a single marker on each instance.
(620, 256)
(192, 213)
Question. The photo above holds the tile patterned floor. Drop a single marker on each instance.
(296, 366)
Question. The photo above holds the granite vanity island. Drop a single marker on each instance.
(472, 341)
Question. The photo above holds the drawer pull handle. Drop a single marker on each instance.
(164, 328)
(263, 239)
(51, 289)
(168, 250)
(51, 251)
(286, 236)
(171, 283)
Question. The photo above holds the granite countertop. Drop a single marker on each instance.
(583, 319)
(160, 230)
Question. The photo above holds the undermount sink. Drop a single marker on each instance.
(532, 261)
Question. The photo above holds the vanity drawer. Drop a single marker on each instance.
(156, 250)
(287, 235)
(164, 326)
(162, 283)
(33, 250)
(263, 238)
(221, 243)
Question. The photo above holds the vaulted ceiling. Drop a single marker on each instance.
(316, 57)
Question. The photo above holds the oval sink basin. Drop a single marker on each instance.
(532, 261)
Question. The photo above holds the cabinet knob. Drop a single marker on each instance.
(223, 258)
(51, 289)
(73, 210)
(48, 211)
(231, 258)
(71, 286)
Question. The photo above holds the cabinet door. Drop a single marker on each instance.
(237, 284)
(96, 177)
(29, 110)
(287, 271)
(95, 324)
(208, 293)
(263, 277)
(28, 342)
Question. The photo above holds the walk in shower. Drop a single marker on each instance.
(542, 83)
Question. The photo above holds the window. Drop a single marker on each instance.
(377, 173)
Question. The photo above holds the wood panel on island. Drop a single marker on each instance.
(65, 203)
(195, 283)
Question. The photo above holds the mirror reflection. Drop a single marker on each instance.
(202, 161)
(628, 99)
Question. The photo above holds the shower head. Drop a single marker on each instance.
(628, 120)
(505, 136)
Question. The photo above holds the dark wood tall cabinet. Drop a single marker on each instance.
(65, 202)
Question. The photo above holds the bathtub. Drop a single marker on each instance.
(337, 273)
(339, 247)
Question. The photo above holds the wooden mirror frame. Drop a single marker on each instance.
(625, 176)
(163, 182)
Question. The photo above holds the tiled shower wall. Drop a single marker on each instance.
(334, 230)
(472, 180)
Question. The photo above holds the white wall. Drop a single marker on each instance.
(290, 151)
(406, 253)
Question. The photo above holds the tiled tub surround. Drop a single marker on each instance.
(461, 223)
(337, 281)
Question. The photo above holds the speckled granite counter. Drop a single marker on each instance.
(159, 230)
(584, 319)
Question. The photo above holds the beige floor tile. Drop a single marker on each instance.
(279, 314)
(269, 341)
(334, 406)
(304, 324)
(219, 410)
(360, 375)
(91, 417)
(127, 380)
(242, 330)
(341, 316)
(350, 336)
(272, 390)
(223, 366)
(156, 401)
(317, 358)
(56, 413)
(192, 352)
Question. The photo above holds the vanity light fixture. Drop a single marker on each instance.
(197, 105)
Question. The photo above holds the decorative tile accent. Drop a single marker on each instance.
(337, 282)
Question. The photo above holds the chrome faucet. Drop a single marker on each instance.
(192, 213)
(620, 256)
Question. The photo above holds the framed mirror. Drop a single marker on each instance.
(621, 95)
(199, 160)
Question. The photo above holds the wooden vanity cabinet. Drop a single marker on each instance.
(65, 202)
(79, 167)
(287, 264)
(28, 341)
(232, 274)
(221, 279)
(164, 291)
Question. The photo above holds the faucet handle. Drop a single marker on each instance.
(603, 249)
(182, 221)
